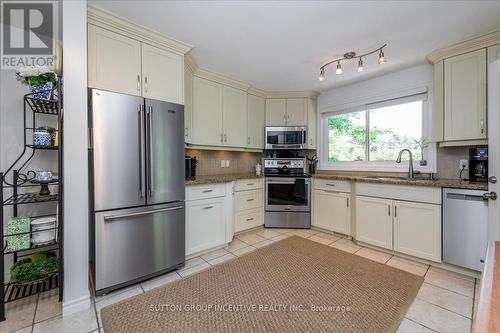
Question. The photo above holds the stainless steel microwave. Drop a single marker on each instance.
(287, 137)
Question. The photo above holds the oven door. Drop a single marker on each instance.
(286, 138)
(288, 194)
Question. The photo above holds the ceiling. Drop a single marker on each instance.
(280, 45)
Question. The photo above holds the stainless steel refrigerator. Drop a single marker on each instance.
(136, 159)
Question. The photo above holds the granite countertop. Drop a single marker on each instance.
(213, 179)
(450, 183)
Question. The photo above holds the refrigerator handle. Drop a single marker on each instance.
(141, 155)
(150, 148)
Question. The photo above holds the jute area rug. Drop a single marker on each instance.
(294, 285)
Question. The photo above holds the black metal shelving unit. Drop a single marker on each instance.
(21, 188)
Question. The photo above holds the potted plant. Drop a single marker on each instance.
(40, 79)
(41, 266)
(422, 144)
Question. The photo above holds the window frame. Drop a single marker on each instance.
(430, 153)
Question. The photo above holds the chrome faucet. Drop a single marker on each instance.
(411, 174)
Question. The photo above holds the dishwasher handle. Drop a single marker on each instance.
(467, 197)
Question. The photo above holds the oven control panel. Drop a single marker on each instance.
(288, 163)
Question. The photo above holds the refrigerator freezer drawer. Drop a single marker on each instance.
(137, 243)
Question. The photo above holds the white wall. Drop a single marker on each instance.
(397, 84)
(76, 291)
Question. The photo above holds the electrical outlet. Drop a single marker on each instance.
(464, 164)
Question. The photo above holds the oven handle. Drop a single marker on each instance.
(285, 180)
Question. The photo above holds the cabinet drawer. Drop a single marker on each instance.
(249, 184)
(332, 185)
(249, 200)
(198, 192)
(248, 219)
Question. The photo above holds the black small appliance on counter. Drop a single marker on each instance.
(190, 164)
(478, 164)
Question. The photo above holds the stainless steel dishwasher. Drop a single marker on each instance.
(465, 227)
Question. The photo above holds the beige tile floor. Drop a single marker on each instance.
(444, 303)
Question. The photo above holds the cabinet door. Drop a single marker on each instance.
(114, 62)
(276, 112)
(311, 124)
(205, 225)
(188, 106)
(493, 53)
(256, 120)
(465, 96)
(332, 212)
(163, 75)
(374, 221)
(207, 113)
(234, 106)
(417, 229)
(296, 112)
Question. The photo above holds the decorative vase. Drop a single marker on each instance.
(42, 91)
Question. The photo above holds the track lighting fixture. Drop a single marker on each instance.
(351, 55)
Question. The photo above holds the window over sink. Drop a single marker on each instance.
(370, 137)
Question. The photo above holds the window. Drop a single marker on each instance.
(373, 135)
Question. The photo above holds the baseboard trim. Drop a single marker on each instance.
(76, 305)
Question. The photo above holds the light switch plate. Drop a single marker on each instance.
(222, 163)
(227, 163)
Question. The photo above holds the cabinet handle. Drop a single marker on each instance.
(250, 184)
(347, 202)
(208, 207)
(146, 84)
(330, 184)
(389, 210)
(138, 82)
(250, 219)
(248, 200)
(395, 211)
(482, 126)
(207, 191)
(221, 137)
(225, 137)
(334, 192)
(248, 141)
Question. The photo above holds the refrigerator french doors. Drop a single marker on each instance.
(137, 155)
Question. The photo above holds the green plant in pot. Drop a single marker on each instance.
(40, 79)
(41, 265)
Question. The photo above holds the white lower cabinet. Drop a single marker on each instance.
(332, 211)
(374, 221)
(205, 225)
(417, 229)
(248, 204)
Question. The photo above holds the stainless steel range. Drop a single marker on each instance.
(288, 193)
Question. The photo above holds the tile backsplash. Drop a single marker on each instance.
(448, 159)
(210, 161)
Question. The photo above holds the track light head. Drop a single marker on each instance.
(338, 71)
(360, 65)
(381, 58)
(321, 74)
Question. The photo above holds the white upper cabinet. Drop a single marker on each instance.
(493, 53)
(287, 112)
(121, 64)
(256, 120)
(114, 62)
(234, 112)
(188, 106)
(296, 112)
(374, 221)
(207, 113)
(417, 229)
(465, 96)
(311, 124)
(163, 73)
(276, 112)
